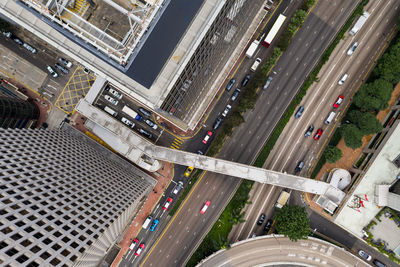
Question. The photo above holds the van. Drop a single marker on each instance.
(330, 117)
(341, 81)
(110, 111)
(255, 64)
(147, 222)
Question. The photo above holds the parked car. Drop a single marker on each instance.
(267, 83)
(145, 133)
(299, 112)
(188, 171)
(29, 48)
(207, 137)
(144, 112)
(133, 244)
(352, 49)
(167, 204)
(364, 255)
(261, 219)
(309, 131)
(139, 250)
(338, 101)
(318, 134)
(205, 207)
(111, 100)
(230, 84)
(246, 80)
(127, 122)
(115, 93)
(268, 225)
(378, 263)
(226, 110)
(235, 94)
(52, 72)
(17, 40)
(65, 62)
(200, 152)
(151, 124)
(7, 34)
(217, 123)
(154, 225)
(61, 68)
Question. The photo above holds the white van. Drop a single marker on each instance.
(341, 81)
(255, 64)
(110, 111)
(330, 117)
(147, 222)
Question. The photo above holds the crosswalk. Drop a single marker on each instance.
(176, 144)
(80, 7)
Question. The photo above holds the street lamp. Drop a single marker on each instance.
(280, 247)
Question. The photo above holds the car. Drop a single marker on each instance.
(177, 188)
(217, 123)
(145, 133)
(133, 244)
(230, 84)
(318, 134)
(30, 48)
(226, 110)
(235, 94)
(205, 207)
(144, 112)
(61, 68)
(343, 79)
(338, 101)
(128, 122)
(151, 124)
(246, 80)
(267, 83)
(65, 62)
(261, 219)
(115, 93)
(309, 131)
(17, 40)
(364, 255)
(154, 225)
(111, 100)
(7, 34)
(167, 204)
(299, 166)
(299, 112)
(268, 225)
(378, 263)
(352, 49)
(52, 72)
(139, 250)
(200, 152)
(188, 171)
(207, 137)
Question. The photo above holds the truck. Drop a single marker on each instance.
(133, 114)
(282, 199)
(360, 22)
(252, 48)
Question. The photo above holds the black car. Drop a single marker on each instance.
(378, 263)
(144, 112)
(235, 94)
(230, 84)
(309, 131)
(61, 68)
(145, 133)
(299, 112)
(299, 166)
(261, 219)
(217, 123)
(268, 225)
(246, 80)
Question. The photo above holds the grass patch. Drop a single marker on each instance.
(321, 162)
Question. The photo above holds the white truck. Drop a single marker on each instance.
(360, 22)
(283, 198)
(252, 48)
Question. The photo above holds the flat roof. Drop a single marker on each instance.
(162, 41)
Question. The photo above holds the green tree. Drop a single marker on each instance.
(352, 135)
(292, 221)
(380, 89)
(308, 4)
(332, 154)
(298, 17)
(4, 25)
(369, 124)
(388, 67)
(364, 101)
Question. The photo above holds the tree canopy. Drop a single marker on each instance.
(332, 154)
(365, 121)
(352, 135)
(292, 221)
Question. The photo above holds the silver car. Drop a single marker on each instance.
(111, 100)
(52, 72)
(29, 48)
(151, 124)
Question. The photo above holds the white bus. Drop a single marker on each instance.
(275, 29)
(133, 114)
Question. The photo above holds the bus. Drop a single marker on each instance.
(127, 110)
(275, 29)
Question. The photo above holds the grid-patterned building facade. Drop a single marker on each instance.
(64, 199)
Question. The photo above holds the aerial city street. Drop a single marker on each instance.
(200, 133)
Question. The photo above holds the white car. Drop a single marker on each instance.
(52, 72)
(65, 62)
(352, 49)
(226, 110)
(128, 122)
(111, 100)
(151, 124)
(29, 48)
(117, 94)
